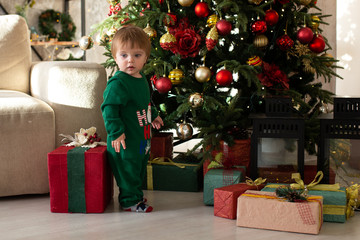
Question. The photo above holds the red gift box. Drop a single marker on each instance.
(225, 198)
(162, 145)
(236, 155)
(84, 185)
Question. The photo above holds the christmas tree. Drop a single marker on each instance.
(213, 62)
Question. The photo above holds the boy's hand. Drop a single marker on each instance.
(116, 143)
(157, 123)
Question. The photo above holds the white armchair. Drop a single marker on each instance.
(38, 101)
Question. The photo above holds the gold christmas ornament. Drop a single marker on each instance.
(105, 38)
(329, 63)
(112, 2)
(307, 66)
(184, 131)
(305, 2)
(261, 41)
(212, 20)
(185, 3)
(176, 76)
(167, 41)
(324, 108)
(212, 38)
(254, 61)
(299, 50)
(196, 100)
(257, 2)
(315, 22)
(86, 43)
(150, 31)
(202, 74)
(111, 32)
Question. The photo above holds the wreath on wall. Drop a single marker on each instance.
(49, 18)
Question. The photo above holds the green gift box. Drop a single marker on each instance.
(219, 177)
(334, 205)
(181, 174)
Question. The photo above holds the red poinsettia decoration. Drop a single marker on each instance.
(273, 77)
(188, 40)
(114, 9)
(188, 43)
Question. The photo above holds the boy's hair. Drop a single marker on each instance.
(133, 35)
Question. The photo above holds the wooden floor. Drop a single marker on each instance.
(176, 215)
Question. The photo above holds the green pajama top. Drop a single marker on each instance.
(127, 109)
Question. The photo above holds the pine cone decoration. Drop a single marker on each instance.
(212, 38)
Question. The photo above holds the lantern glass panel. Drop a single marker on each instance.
(344, 159)
(277, 159)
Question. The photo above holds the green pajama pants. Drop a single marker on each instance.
(129, 168)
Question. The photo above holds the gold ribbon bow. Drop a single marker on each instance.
(352, 194)
(257, 181)
(314, 185)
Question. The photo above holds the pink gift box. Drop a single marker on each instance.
(257, 209)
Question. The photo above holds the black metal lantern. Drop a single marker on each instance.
(277, 123)
(344, 123)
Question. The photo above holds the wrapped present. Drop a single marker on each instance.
(180, 174)
(282, 173)
(235, 155)
(335, 201)
(80, 180)
(225, 198)
(162, 145)
(264, 210)
(216, 178)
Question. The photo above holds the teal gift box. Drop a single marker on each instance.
(183, 173)
(334, 205)
(216, 178)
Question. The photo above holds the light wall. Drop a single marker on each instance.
(348, 51)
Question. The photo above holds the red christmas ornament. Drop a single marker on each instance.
(224, 78)
(170, 20)
(313, 3)
(163, 84)
(317, 44)
(202, 9)
(223, 27)
(271, 17)
(305, 35)
(283, 1)
(258, 27)
(284, 42)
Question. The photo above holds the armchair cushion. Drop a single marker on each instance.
(74, 89)
(15, 57)
(27, 134)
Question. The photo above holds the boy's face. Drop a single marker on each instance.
(130, 60)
